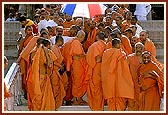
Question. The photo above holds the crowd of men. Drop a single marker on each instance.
(108, 58)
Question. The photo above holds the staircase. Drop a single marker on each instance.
(157, 35)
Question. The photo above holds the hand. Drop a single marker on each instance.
(98, 59)
(62, 68)
(76, 57)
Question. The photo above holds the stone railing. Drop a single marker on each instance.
(13, 81)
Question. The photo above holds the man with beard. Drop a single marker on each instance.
(148, 44)
(128, 18)
(133, 41)
(91, 35)
(68, 21)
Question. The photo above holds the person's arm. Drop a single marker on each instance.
(21, 46)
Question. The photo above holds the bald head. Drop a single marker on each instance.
(81, 35)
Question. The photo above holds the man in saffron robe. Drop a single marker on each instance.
(116, 78)
(125, 42)
(91, 35)
(29, 77)
(23, 59)
(25, 40)
(68, 21)
(151, 83)
(148, 44)
(23, 63)
(110, 37)
(65, 50)
(57, 81)
(43, 99)
(78, 66)
(94, 58)
(135, 60)
(120, 25)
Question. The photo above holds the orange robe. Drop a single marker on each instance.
(149, 46)
(133, 104)
(90, 38)
(126, 23)
(94, 89)
(27, 40)
(151, 81)
(43, 99)
(122, 11)
(29, 80)
(158, 63)
(24, 63)
(116, 79)
(57, 82)
(6, 95)
(78, 69)
(26, 52)
(65, 50)
(126, 46)
(67, 24)
(124, 27)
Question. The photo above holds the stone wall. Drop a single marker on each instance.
(11, 34)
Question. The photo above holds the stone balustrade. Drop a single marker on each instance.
(13, 81)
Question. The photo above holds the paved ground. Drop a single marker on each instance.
(23, 107)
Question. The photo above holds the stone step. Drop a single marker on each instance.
(153, 25)
(24, 107)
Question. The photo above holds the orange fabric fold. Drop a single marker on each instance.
(24, 60)
(116, 78)
(27, 41)
(94, 88)
(43, 99)
(90, 38)
(151, 81)
(133, 104)
(149, 46)
(78, 69)
(57, 82)
(125, 45)
(65, 50)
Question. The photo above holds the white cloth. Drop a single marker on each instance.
(138, 30)
(51, 23)
(66, 39)
(142, 11)
(42, 24)
(10, 19)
